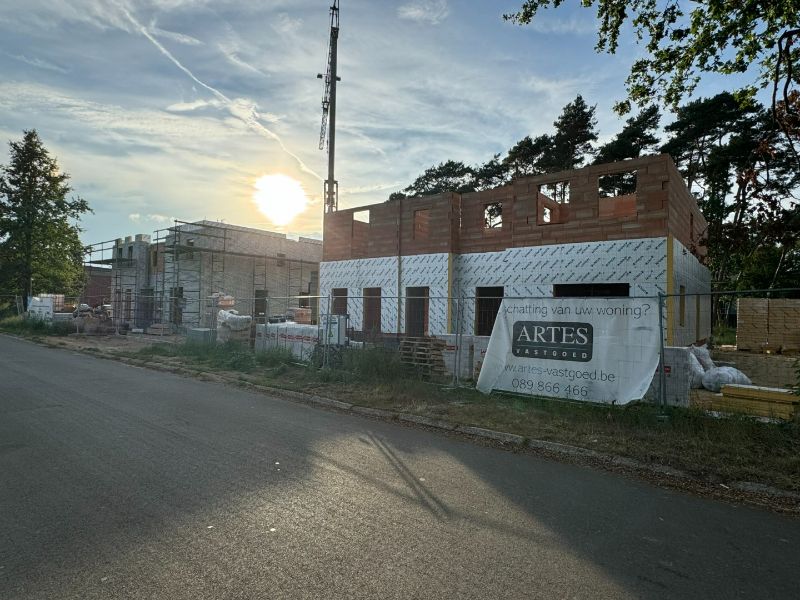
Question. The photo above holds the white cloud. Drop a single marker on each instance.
(286, 24)
(39, 63)
(135, 217)
(157, 218)
(545, 23)
(181, 38)
(424, 11)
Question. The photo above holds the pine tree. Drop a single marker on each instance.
(636, 138)
(40, 250)
(572, 142)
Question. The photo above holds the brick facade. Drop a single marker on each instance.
(455, 223)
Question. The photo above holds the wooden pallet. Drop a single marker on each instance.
(423, 355)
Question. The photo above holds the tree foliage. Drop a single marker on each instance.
(575, 130)
(684, 40)
(636, 138)
(741, 170)
(40, 251)
(449, 176)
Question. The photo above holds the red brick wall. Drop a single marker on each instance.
(661, 206)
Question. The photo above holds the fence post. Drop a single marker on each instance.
(662, 379)
(327, 333)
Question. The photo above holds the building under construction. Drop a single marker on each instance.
(180, 277)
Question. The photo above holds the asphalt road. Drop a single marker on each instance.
(117, 482)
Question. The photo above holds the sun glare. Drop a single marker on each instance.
(279, 198)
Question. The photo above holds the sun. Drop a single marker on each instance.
(279, 198)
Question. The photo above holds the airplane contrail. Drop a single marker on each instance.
(250, 119)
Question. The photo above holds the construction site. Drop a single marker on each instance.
(179, 278)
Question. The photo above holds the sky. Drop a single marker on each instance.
(174, 109)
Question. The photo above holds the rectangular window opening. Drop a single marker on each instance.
(487, 305)
(616, 184)
(304, 301)
(550, 201)
(361, 216)
(422, 220)
(591, 290)
(493, 215)
(339, 301)
(372, 311)
(557, 191)
(281, 259)
(417, 311)
(260, 304)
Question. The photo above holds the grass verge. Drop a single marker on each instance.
(35, 327)
(724, 450)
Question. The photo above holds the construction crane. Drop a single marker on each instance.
(329, 112)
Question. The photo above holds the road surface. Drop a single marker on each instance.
(118, 482)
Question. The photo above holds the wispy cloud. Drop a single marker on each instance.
(39, 63)
(546, 23)
(424, 11)
(181, 38)
(243, 111)
(286, 24)
(135, 217)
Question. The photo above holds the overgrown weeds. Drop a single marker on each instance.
(29, 327)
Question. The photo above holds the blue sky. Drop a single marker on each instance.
(173, 108)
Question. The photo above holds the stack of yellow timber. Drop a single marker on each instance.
(777, 403)
(768, 325)
(784, 324)
(752, 323)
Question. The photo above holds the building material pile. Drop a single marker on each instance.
(423, 354)
(297, 338)
(768, 325)
(776, 403)
(233, 327)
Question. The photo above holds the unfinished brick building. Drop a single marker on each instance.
(394, 267)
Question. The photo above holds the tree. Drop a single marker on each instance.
(741, 170)
(637, 137)
(713, 37)
(490, 174)
(39, 249)
(526, 156)
(450, 176)
(572, 141)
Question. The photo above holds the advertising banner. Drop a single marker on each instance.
(593, 349)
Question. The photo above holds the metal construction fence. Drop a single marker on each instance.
(442, 336)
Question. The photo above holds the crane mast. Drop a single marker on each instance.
(329, 112)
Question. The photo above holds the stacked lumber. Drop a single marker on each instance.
(752, 319)
(768, 325)
(784, 324)
(423, 355)
(776, 403)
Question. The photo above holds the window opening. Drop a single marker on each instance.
(487, 305)
(493, 215)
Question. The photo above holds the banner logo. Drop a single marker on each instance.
(553, 340)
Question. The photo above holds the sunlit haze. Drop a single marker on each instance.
(279, 198)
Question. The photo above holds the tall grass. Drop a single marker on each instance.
(35, 327)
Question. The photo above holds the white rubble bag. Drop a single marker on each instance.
(703, 355)
(696, 372)
(233, 320)
(715, 378)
